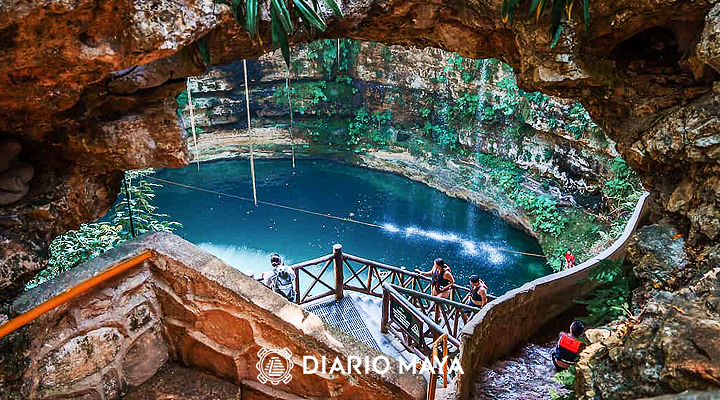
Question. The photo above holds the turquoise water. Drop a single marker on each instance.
(418, 223)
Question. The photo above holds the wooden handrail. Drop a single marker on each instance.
(403, 271)
(394, 294)
(432, 383)
(436, 299)
(71, 293)
(314, 261)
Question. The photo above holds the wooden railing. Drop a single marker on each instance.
(450, 315)
(440, 343)
(305, 294)
(416, 330)
(363, 276)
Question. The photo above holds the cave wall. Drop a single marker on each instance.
(80, 78)
(419, 88)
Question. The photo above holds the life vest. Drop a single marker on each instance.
(570, 344)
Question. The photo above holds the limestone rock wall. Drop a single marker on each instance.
(414, 85)
(670, 345)
(185, 306)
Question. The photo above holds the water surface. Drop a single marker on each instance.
(418, 223)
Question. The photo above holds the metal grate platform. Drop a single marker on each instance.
(344, 316)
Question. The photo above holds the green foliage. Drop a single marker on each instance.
(77, 246)
(507, 176)
(325, 52)
(610, 299)
(283, 16)
(624, 183)
(547, 216)
(145, 215)
(567, 379)
(370, 129)
(580, 121)
(93, 239)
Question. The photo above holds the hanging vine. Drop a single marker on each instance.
(192, 121)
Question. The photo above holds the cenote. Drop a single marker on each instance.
(420, 223)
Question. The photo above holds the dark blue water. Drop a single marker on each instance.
(420, 223)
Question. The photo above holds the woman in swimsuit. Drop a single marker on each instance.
(442, 279)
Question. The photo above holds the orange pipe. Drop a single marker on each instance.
(71, 293)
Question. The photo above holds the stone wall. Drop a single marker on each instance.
(182, 305)
(513, 317)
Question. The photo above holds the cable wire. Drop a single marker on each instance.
(302, 210)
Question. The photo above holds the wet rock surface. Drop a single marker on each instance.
(526, 375)
(658, 259)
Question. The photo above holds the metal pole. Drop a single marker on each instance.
(339, 278)
(129, 205)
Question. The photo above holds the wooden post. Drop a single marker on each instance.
(385, 312)
(297, 286)
(339, 267)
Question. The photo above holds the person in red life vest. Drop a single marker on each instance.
(568, 348)
(569, 259)
(442, 279)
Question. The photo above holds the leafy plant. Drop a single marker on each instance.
(284, 16)
(610, 299)
(145, 216)
(93, 239)
(567, 379)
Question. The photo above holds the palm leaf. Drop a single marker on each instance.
(282, 13)
(279, 37)
(556, 36)
(535, 8)
(555, 20)
(237, 11)
(309, 15)
(504, 11)
(568, 8)
(586, 13)
(251, 16)
(334, 7)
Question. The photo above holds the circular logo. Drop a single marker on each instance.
(274, 366)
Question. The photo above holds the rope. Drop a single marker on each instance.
(252, 154)
(267, 203)
(292, 143)
(271, 204)
(192, 121)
